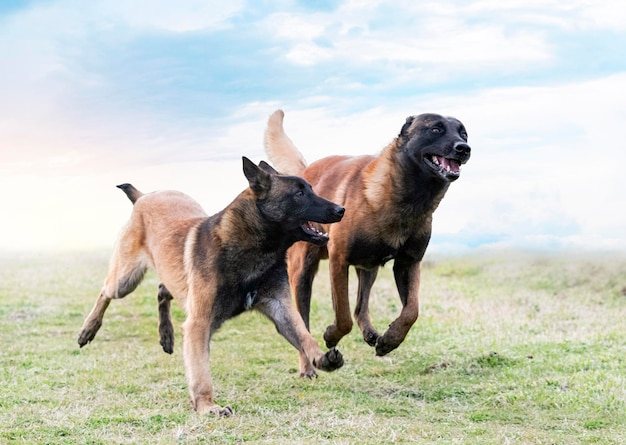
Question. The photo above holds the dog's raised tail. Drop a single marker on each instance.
(281, 151)
(130, 190)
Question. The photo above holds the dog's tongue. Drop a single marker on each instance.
(449, 164)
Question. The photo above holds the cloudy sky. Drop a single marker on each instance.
(170, 94)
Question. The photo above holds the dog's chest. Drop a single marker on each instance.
(247, 263)
(370, 253)
(251, 271)
(242, 288)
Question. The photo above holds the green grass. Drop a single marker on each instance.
(520, 349)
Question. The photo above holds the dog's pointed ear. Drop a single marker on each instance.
(405, 128)
(259, 180)
(268, 168)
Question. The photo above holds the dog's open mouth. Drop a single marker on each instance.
(313, 235)
(446, 167)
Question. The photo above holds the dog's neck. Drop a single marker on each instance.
(242, 223)
(400, 187)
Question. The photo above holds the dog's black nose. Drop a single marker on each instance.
(340, 211)
(462, 148)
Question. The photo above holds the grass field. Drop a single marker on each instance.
(519, 349)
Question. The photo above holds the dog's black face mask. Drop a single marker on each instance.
(291, 202)
(437, 145)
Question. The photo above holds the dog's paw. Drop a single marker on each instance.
(330, 361)
(332, 336)
(167, 342)
(330, 343)
(307, 370)
(83, 338)
(371, 337)
(166, 333)
(383, 347)
(227, 411)
(308, 373)
(88, 333)
(216, 410)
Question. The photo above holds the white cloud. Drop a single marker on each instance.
(601, 14)
(605, 14)
(428, 35)
(179, 16)
(505, 36)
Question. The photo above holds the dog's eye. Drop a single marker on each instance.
(436, 130)
(299, 194)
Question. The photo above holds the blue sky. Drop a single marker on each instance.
(171, 95)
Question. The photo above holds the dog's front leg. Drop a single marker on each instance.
(289, 324)
(407, 275)
(196, 338)
(302, 267)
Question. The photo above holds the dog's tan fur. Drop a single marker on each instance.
(216, 267)
(389, 201)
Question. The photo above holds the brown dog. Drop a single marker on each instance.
(389, 201)
(217, 267)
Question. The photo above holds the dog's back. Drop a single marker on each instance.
(159, 226)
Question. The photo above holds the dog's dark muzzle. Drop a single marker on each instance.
(331, 213)
(335, 214)
(463, 151)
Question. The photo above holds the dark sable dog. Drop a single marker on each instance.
(217, 267)
(389, 201)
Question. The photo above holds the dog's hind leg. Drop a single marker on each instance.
(93, 322)
(166, 329)
(125, 273)
(361, 312)
(341, 303)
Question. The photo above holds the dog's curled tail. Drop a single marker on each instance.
(130, 190)
(282, 152)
